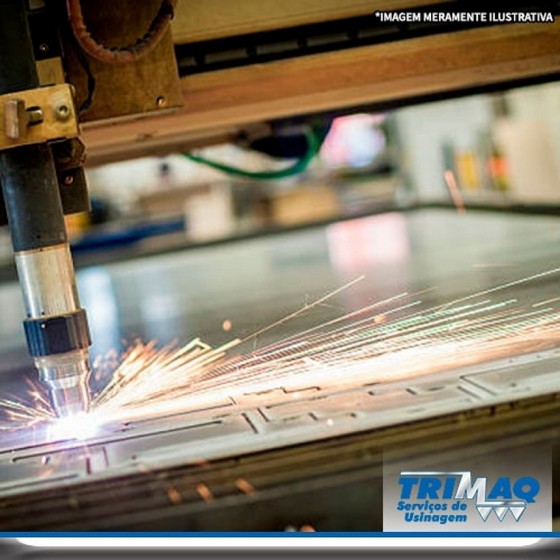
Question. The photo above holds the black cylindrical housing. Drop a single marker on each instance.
(58, 334)
(32, 198)
(17, 63)
(27, 173)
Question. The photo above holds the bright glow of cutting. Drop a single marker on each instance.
(79, 426)
(295, 541)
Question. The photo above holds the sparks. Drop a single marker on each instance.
(387, 340)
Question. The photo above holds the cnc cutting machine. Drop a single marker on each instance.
(65, 62)
(160, 76)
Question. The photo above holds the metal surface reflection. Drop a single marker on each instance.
(254, 284)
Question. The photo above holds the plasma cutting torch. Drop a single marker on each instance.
(54, 71)
(34, 119)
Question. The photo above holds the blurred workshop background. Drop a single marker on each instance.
(494, 151)
(480, 161)
(488, 164)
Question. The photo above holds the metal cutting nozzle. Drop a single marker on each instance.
(69, 398)
(66, 377)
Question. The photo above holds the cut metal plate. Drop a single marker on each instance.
(272, 419)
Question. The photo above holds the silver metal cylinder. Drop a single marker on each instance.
(49, 289)
(47, 280)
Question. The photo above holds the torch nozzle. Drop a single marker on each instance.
(66, 377)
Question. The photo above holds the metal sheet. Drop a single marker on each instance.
(254, 283)
(270, 419)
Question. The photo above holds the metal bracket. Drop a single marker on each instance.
(37, 115)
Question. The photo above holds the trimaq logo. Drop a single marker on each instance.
(442, 497)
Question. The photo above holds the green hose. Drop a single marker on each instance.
(313, 147)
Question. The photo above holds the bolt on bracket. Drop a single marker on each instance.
(37, 115)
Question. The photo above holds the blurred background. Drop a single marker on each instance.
(495, 151)
(453, 194)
